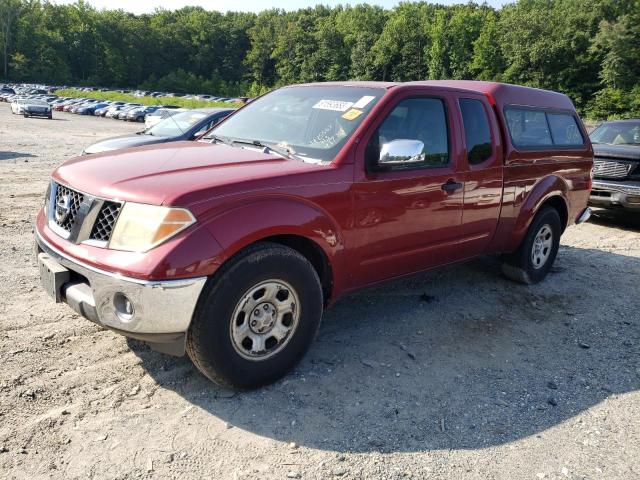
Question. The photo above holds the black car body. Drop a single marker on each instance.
(616, 165)
(37, 108)
(183, 126)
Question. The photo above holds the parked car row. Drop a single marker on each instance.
(46, 104)
(44, 89)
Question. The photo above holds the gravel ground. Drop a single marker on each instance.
(454, 374)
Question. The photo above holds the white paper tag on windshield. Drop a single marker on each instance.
(335, 105)
(363, 102)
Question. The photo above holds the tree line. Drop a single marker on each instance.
(588, 49)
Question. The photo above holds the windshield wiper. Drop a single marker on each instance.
(282, 151)
(217, 139)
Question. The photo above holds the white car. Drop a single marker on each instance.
(152, 118)
(17, 106)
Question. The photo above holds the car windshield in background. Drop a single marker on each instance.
(36, 102)
(310, 122)
(617, 133)
(176, 124)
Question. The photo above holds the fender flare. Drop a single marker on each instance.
(270, 216)
(549, 187)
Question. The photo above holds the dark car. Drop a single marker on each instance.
(37, 108)
(616, 165)
(183, 126)
(90, 108)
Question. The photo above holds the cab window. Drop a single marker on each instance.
(413, 123)
(476, 130)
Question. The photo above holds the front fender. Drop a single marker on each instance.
(545, 189)
(261, 218)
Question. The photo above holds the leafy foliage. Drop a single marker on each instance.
(588, 49)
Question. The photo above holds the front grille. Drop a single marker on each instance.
(66, 199)
(105, 221)
(611, 168)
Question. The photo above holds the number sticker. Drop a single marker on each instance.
(335, 105)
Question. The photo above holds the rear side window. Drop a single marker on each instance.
(528, 128)
(476, 131)
(564, 129)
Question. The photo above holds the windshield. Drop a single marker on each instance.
(311, 122)
(617, 133)
(176, 125)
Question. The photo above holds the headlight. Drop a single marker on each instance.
(47, 199)
(141, 227)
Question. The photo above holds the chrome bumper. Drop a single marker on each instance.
(584, 216)
(606, 193)
(161, 310)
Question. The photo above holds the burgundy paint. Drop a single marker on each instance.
(370, 226)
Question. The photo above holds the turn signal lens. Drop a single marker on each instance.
(141, 227)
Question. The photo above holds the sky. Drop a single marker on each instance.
(147, 6)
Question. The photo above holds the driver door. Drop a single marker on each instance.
(408, 216)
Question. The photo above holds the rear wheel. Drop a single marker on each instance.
(256, 318)
(531, 262)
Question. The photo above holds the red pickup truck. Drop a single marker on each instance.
(230, 247)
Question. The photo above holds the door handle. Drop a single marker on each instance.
(451, 186)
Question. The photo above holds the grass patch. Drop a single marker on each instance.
(124, 97)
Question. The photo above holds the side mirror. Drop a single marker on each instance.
(399, 153)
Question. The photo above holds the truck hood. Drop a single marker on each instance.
(124, 141)
(174, 173)
(623, 152)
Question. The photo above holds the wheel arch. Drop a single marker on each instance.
(308, 230)
(313, 253)
(550, 191)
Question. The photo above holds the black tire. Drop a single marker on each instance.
(50, 117)
(209, 339)
(520, 265)
(26, 115)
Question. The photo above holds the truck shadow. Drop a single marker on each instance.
(456, 358)
(617, 218)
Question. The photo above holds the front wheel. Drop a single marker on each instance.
(531, 262)
(256, 318)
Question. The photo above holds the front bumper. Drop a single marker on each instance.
(161, 310)
(611, 194)
(34, 113)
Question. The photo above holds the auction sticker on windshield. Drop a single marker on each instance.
(363, 102)
(335, 105)
(352, 114)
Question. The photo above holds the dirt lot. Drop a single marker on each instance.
(453, 374)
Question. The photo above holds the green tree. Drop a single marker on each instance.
(399, 51)
(619, 44)
(9, 12)
(487, 62)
